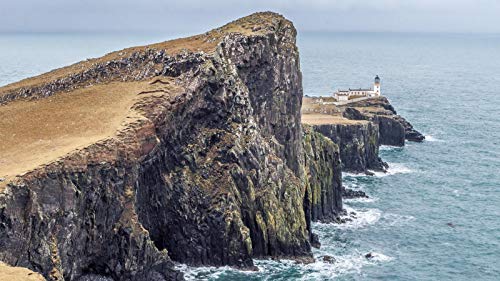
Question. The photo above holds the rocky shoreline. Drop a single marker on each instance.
(213, 166)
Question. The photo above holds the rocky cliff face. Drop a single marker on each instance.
(323, 199)
(358, 144)
(393, 128)
(209, 171)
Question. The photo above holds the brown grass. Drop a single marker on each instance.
(206, 42)
(36, 132)
(368, 109)
(324, 119)
(10, 273)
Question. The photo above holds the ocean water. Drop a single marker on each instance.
(436, 214)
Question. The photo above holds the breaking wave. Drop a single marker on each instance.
(359, 218)
(394, 168)
(431, 138)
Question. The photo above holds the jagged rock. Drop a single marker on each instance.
(315, 241)
(358, 144)
(211, 172)
(393, 128)
(323, 199)
(350, 193)
(329, 259)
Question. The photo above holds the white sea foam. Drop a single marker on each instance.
(318, 270)
(394, 168)
(390, 148)
(207, 272)
(353, 175)
(381, 257)
(344, 264)
(361, 200)
(431, 138)
(360, 218)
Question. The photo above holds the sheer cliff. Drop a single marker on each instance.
(359, 128)
(187, 151)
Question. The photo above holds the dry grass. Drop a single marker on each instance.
(9, 273)
(36, 132)
(206, 42)
(371, 109)
(311, 106)
(324, 119)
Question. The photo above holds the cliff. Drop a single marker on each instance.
(323, 199)
(189, 150)
(358, 141)
(359, 128)
(393, 128)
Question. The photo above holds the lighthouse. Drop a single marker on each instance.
(376, 86)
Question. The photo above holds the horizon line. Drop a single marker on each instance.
(194, 32)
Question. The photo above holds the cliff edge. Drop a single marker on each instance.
(189, 150)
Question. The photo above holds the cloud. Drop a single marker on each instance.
(198, 15)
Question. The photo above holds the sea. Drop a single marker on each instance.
(435, 215)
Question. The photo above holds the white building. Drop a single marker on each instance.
(344, 95)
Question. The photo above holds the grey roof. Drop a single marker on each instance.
(360, 89)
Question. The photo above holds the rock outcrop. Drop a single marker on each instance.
(323, 199)
(358, 144)
(206, 169)
(201, 159)
(393, 128)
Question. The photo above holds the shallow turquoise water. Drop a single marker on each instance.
(447, 85)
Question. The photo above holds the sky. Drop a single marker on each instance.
(461, 16)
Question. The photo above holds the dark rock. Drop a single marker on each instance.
(315, 241)
(393, 128)
(358, 144)
(350, 194)
(329, 259)
(323, 197)
(212, 176)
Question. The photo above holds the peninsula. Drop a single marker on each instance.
(198, 150)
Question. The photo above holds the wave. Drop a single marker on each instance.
(344, 264)
(201, 273)
(359, 218)
(390, 148)
(354, 175)
(361, 200)
(212, 272)
(394, 168)
(318, 270)
(431, 138)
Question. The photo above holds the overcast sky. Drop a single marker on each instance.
(198, 15)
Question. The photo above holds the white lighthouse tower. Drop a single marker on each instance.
(376, 86)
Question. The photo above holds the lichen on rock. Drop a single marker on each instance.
(323, 199)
